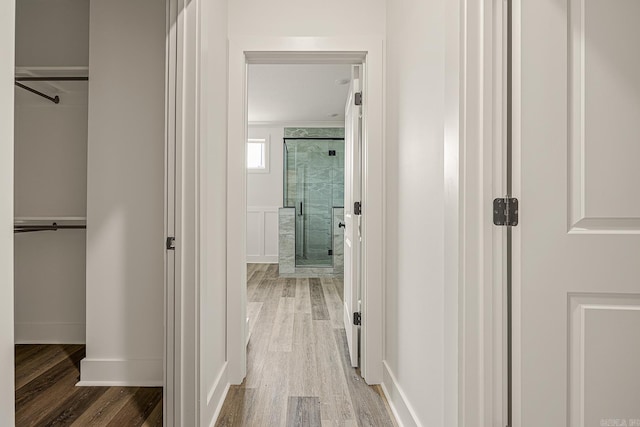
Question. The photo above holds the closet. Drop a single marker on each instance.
(51, 116)
(89, 237)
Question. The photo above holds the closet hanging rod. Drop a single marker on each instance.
(52, 227)
(54, 99)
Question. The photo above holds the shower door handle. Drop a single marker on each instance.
(300, 214)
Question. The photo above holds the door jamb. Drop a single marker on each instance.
(181, 319)
(307, 50)
(169, 383)
(482, 300)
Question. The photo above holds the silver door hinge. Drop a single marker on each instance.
(171, 243)
(505, 211)
(358, 98)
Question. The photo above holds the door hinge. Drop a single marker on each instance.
(357, 319)
(330, 252)
(357, 208)
(505, 211)
(358, 98)
(171, 243)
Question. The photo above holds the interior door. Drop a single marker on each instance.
(577, 245)
(352, 237)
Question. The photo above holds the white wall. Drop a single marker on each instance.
(265, 189)
(51, 154)
(50, 287)
(264, 197)
(125, 204)
(51, 176)
(7, 380)
(414, 306)
(296, 18)
(52, 33)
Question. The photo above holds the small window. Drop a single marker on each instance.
(257, 155)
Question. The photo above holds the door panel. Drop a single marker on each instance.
(603, 361)
(352, 238)
(577, 248)
(604, 103)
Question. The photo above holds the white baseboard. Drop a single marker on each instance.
(400, 406)
(49, 333)
(121, 372)
(267, 259)
(218, 393)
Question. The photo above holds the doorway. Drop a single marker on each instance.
(301, 50)
(296, 340)
(88, 298)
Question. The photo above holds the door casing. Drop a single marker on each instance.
(482, 346)
(278, 50)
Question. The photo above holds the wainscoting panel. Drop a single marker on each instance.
(262, 234)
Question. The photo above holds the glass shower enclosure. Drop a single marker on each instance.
(314, 185)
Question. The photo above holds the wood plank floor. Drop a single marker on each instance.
(46, 394)
(298, 369)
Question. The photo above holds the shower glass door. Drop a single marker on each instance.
(314, 185)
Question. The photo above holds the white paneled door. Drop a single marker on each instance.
(352, 236)
(577, 246)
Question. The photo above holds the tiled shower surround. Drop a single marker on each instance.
(287, 254)
(313, 189)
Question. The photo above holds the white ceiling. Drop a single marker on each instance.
(297, 93)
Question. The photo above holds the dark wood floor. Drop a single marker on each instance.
(46, 394)
(298, 369)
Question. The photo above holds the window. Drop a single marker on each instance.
(257, 155)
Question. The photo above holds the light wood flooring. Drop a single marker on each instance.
(46, 394)
(298, 370)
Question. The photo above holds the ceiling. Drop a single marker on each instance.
(297, 93)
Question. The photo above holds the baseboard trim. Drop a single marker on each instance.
(219, 389)
(400, 406)
(258, 259)
(121, 372)
(49, 333)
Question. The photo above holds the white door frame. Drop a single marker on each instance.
(182, 282)
(482, 300)
(7, 73)
(169, 384)
(243, 50)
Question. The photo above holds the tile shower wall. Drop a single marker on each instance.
(286, 240)
(338, 241)
(314, 185)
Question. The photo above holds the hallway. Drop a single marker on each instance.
(298, 371)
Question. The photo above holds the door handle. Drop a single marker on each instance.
(300, 209)
(342, 225)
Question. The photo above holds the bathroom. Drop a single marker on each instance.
(295, 168)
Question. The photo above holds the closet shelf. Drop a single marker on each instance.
(39, 219)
